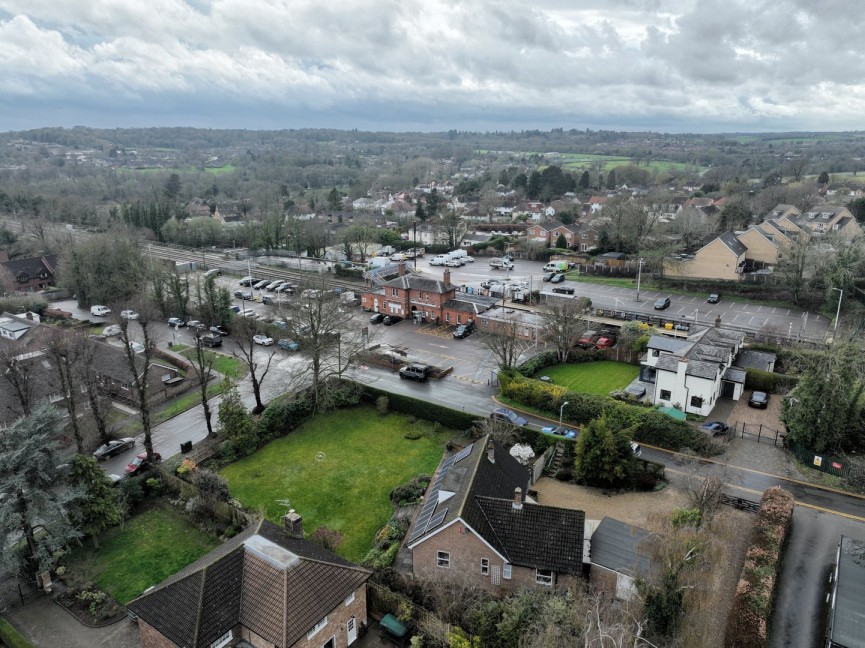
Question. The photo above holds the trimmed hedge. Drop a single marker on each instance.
(747, 624)
(537, 362)
(768, 381)
(448, 417)
(9, 636)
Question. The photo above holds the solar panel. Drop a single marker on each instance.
(447, 463)
(417, 533)
(437, 519)
(465, 452)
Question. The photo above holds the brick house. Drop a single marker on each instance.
(32, 274)
(265, 588)
(478, 524)
(543, 232)
(423, 298)
(721, 258)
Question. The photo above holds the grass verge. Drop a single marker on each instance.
(224, 364)
(338, 469)
(149, 548)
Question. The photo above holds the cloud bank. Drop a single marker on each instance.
(684, 65)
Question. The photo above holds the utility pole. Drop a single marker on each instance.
(639, 275)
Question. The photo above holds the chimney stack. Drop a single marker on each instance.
(491, 451)
(518, 499)
(293, 524)
(447, 277)
(402, 268)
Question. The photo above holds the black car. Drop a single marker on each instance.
(759, 399)
(557, 278)
(176, 322)
(211, 340)
(243, 294)
(563, 290)
(508, 416)
(376, 318)
(549, 276)
(464, 330)
(662, 303)
(390, 320)
(218, 330)
(714, 298)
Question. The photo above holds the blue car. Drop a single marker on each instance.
(559, 430)
(288, 345)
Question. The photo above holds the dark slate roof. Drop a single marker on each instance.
(536, 536)
(416, 282)
(620, 547)
(698, 368)
(237, 583)
(733, 243)
(31, 266)
(670, 345)
(735, 375)
(761, 360)
(847, 618)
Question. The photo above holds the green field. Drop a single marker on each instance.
(150, 547)
(592, 377)
(217, 171)
(338, 469)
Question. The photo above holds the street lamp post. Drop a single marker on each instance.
(837, 312)
(639, 276)
(561, 411)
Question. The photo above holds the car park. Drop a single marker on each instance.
(564, 290)
(464, 330)
(508, 416)
(662, 303)
(717, 428)
(376, 318)
(111, 330)
(113, 447)
(416, 372)
(714, 298)
(759, 400)
(263, 340)
(288, 345)
(129, 314)
(141, 463)
(559, 430)
(176, 322)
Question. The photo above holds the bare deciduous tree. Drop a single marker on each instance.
(203, 360)
(138, 364)
(19, 372)
(504, 341)
(65, 348)
(245, 330)
(563, 322)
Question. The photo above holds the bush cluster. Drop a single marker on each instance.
(769, 382)
(752, 605)
(534, 364)
(411, 491)
(387, 543)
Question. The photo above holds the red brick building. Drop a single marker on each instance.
(32, 274)
(266, 587)
(477, 523)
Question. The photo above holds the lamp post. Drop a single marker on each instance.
(561, 411)
(617, 302)
(837, 312)
(639, 276)
(415, 245)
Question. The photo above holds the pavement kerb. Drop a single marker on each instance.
(800, 482)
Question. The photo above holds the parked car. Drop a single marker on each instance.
(759, 399)
(261, 284)
(508, 416)
(637, 450)
(559, 430)
(415, 372)
(129, 314)
(243, 294)
(464, 330)
(469, 259)
(549, 276)
(247, 312)
(218, 330)
(717, 428)
(213, 272)
(682, 326)
(564, 290)
(454, 263)
(662, 303)
(211, 340)
(286, 288)
(247, 281)
(141, 463)
(111, 330)
(390, 320)
(195, 324)
(136, 347)
(113, 447)
(234, 308)
(263, 340)
(100, 311)
(490, 283)
(605, 343)
(376, 318)
(288, 345)
(267, 300)
(714, 298)
(273, 285)
(557, 278)
(176, 322)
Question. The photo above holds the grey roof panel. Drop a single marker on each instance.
(847, 622)
(735, 375)
(620, 547)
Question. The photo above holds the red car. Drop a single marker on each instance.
(604, 342)
(140, 463)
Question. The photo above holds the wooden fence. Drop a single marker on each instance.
(385, 601)
(740, 503)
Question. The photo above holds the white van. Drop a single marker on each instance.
(100, 311)
(457, 254)
(556, 266)
(501, 264)
(439, 260)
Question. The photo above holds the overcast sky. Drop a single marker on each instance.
(668, 65)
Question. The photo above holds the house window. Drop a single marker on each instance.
(458, 319)
(443, 559)
(448, 318)
(224, 640)
(317, 628)
(485, 566)
(349, 599)
(696, 401)
(665, 394)
(544, 576)
(393, 292)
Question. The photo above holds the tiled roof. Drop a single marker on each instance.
(748, 359)
(276, 585)
(31, 266)
(733, 243)
(621, 547)
(415, 282)
(735, 375)
(697, 368)
(670, 345)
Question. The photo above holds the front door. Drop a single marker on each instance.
(727, 389)
(352, 631)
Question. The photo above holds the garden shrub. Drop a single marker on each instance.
(326, 537)
(537, 362)
(769, 382)
(381, 404)
(752, 604)
(282, 417)
(449, 418)
(564, 474)
(681, 517)
(9, 636)
(411, 491)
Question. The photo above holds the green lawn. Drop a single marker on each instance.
(149, 548)
(225, 364)
(338, 470)
(592, 377)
